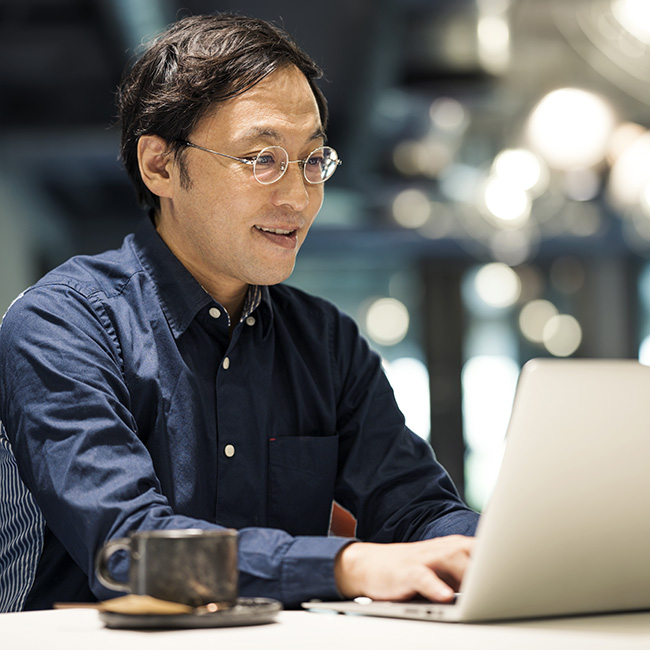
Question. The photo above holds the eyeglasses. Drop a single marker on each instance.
(270, 164)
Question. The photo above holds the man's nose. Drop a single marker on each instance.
(291, 189)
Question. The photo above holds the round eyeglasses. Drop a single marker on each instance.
(270, 164)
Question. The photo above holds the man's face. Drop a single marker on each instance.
(226, 228)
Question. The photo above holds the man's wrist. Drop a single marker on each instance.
(347, 574)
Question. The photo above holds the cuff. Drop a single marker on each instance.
(308, 569)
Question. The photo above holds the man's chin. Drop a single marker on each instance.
(272, 277)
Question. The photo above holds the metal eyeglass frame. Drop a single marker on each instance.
(253, 162)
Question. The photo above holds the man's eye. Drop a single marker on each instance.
(267, 159)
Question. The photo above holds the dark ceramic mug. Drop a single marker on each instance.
(194, 567)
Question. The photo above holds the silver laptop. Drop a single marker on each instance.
(567, 528)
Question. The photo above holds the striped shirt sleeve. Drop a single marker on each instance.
(21, 532)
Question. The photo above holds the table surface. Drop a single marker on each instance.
(76, 629)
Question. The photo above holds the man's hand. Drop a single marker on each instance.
(432, 568)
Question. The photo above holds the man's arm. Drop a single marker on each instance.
(389, 477)
(392, 482)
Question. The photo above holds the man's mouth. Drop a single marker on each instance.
(282, 237)
(275, 231)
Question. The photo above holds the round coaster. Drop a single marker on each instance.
(247, 611)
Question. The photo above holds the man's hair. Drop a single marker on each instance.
(188, 70)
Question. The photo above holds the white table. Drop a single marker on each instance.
(81, 629)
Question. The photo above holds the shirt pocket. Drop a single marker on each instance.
(302, 475)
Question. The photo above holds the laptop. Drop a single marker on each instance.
(567, 528)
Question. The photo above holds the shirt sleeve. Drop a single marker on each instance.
(389, 477)
(67, 411)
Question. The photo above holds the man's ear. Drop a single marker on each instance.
(156, 165)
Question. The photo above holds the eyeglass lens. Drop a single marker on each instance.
(271, 163)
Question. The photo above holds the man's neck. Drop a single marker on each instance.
(228, 292)
(232, 301)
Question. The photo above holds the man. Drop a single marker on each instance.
(175, 383)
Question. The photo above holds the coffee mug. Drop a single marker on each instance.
(194, 567)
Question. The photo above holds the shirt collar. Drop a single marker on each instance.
(180, 295)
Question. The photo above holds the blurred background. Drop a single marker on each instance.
(493, 204)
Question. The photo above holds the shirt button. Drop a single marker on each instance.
(226, 363)
(229, 450)
(214, 312)
(250, 320)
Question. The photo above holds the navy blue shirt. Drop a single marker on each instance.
(127, 405)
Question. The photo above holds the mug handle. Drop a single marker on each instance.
(101, 563)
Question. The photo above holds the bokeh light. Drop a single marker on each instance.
(411, 208)
(387, 321)
(497, 285)
(634, 16)
(523, 169)
(562, 335)
(409, 378)
(448, 114)
(570, 128)
(506, 202)
(534, 317)
(630, 172)
(494, 43)
(489, 383)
